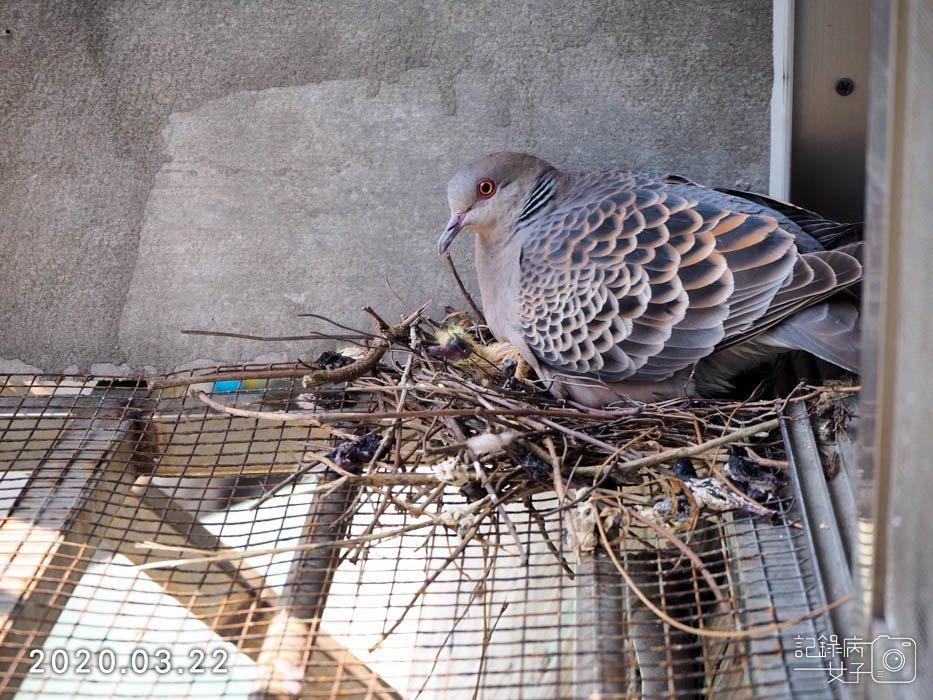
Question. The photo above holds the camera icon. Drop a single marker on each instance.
(893, 659)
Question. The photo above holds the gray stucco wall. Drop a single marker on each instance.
(228, 166)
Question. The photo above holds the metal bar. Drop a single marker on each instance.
(829, 117)
(57, 522)
(778, 574)
(230, 597)
(781, 97)
(294, 658)
(601, 670)
(811, 489)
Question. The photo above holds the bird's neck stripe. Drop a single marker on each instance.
(541, 193)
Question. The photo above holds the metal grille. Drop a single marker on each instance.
(150, 532)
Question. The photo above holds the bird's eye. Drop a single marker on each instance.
(486, 188)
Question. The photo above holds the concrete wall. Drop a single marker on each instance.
(227, 166)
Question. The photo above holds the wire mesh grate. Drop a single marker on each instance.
(153, 545)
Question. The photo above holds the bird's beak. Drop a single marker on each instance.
(450, 233)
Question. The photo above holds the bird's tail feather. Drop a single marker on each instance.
(829, 330)
(830, 234)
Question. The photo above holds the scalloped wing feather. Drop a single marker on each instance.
(632, 277)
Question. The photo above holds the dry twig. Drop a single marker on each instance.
(424, 410)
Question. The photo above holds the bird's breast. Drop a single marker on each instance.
(498, 274)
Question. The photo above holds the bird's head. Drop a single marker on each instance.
(486, 196)
(454, 342)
